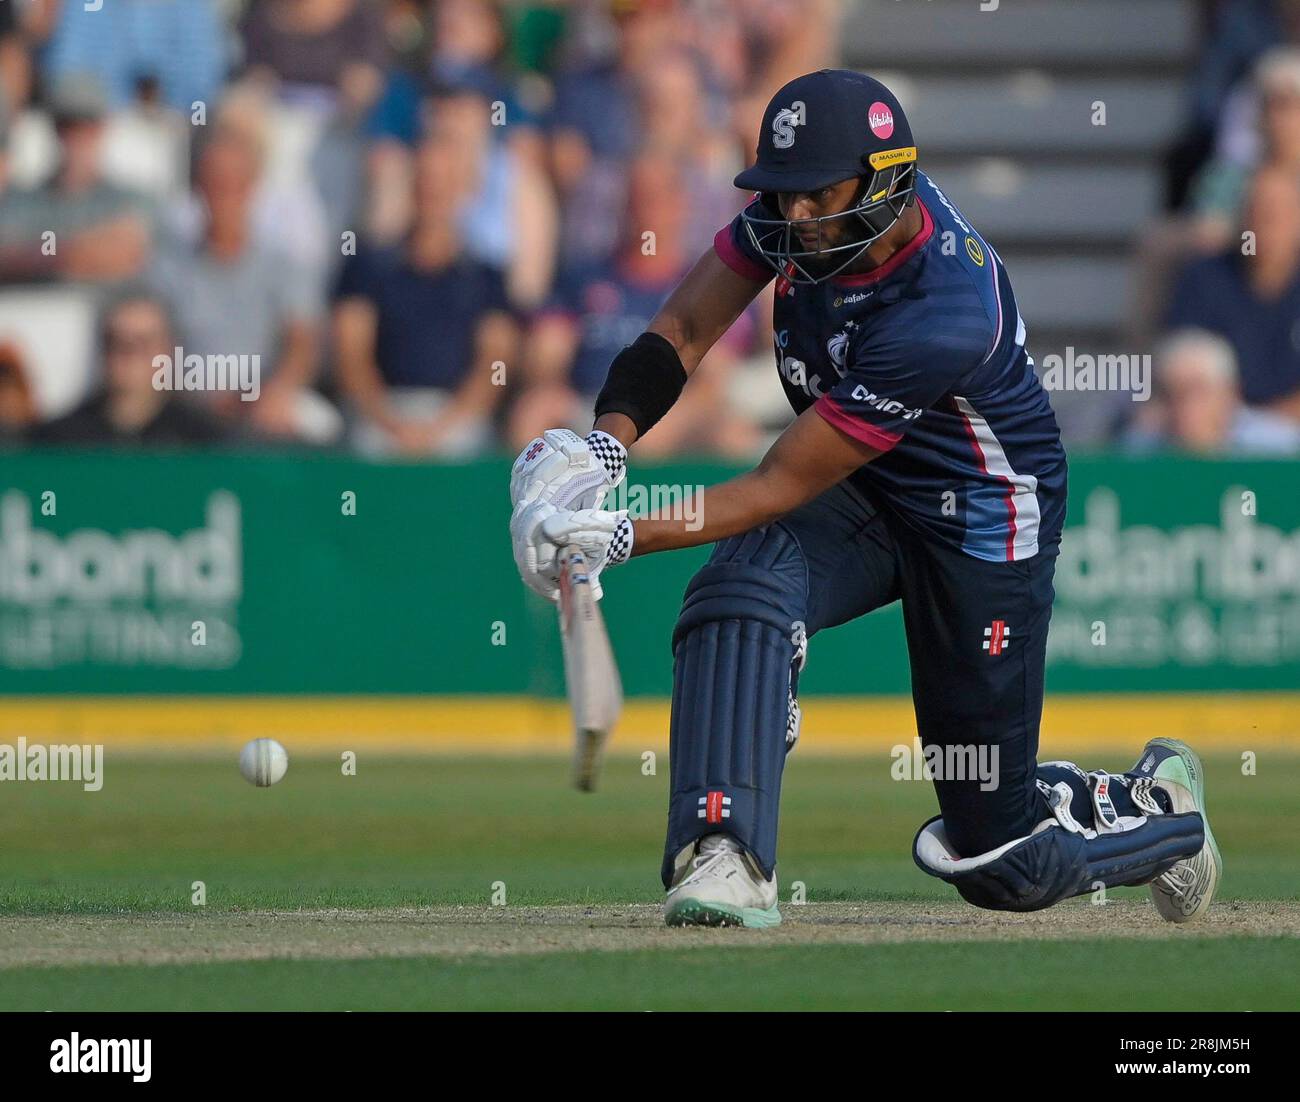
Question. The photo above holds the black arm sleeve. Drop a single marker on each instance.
(644, 381)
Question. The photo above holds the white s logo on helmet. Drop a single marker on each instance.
(784, 123)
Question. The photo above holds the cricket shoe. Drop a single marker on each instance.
(721, 886)
(1186, 890)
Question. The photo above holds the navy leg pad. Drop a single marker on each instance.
(734, 649)
(1054, 863)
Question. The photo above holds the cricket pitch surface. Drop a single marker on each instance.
(70, 940)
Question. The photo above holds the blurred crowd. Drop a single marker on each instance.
(1218, 279)
(430, 224)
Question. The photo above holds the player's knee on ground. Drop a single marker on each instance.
(1091, 839)
(978, 818)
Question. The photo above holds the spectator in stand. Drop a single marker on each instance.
(422, 327)
(1197, 406)
(510, 221)
(468, 44)
(17, 404)
(680, 120)
(600, 308)
(76, 225)
(406, 31)
(1234, 113)
(1218, 191)
(326, 61)
(233, 293)
(287, 214)
(780, 39)
(1217, 195)
(329, 54)
(463, 47)
(1239, 32)
(147, 147)
(15, 60)
(1233, 34)
(180, 47)
(594, 129)
(1253, 300)
(129, 408)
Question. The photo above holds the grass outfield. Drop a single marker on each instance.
(445, 833)
(1052, 975)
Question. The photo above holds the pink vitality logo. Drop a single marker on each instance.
(881, 120)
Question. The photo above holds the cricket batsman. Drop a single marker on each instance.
(924, 466)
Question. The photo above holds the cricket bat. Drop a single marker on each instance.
(594, 689)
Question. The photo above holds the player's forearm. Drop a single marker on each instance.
(701, 308)
(747, 501)
(808, 458)
(619, 425)
(675, 327)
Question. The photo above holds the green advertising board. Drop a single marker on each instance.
(236, 574)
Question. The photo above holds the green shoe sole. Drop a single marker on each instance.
(695, 912)
(1192, 777)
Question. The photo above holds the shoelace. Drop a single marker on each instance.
(703, 860)
(1179, 880)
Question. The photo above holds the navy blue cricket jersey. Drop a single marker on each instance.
(924, 359)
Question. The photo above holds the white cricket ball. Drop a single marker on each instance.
(263, 762)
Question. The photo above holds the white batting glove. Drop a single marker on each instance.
(535, 556)
(605, 538)
(562, 468)
(541, 531)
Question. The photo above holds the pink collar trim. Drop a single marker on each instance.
(890, 266)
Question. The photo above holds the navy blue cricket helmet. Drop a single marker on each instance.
(821, 129)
